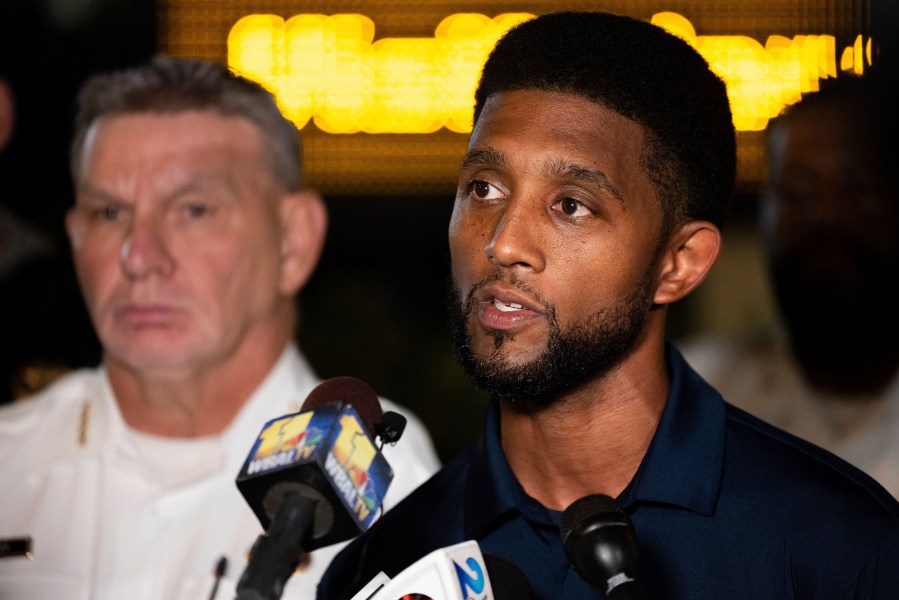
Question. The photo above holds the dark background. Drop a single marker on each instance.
(375, 307)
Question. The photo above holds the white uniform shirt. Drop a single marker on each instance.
(115, 514)
(758, 374)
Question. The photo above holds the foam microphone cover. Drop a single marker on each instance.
(349, 390)
(600, 541)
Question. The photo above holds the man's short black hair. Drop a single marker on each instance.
(870, 102)
(644, 73)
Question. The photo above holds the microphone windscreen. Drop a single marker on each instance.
(599, 540)
(348, 390)
(582, 509)
(506, 579)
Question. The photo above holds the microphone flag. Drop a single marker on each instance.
(327, 455)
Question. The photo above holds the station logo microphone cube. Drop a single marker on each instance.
(327, 455)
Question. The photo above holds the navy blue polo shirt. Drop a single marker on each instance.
(724, 506)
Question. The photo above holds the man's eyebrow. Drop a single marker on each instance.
(87, 192)
(484, 156)
(560, 169)
(566, 170)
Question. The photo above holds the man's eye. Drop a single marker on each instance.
(196, 209)
(108, 213)
(570, 206)
(573, 207)
(483, 190)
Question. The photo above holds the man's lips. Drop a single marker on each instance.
(505, 309)
(146, 314)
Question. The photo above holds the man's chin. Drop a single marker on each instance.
(148, 358)
(509, 349)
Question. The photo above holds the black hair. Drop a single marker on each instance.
(644, 73)
(869, 100)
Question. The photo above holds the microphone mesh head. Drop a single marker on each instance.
(348, 390)
(584, 508)
(599, 540)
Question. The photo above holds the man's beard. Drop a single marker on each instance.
(837, 298)
(583, 351)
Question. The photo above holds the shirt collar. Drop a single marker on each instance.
(491, 488)
(684, 464)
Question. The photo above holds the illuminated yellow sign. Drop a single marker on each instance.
(331, 70)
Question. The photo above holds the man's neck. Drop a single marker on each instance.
(590, 441)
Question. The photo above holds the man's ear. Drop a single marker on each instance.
(688, 256)
(304, 222)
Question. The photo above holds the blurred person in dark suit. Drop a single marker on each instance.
(827, 369)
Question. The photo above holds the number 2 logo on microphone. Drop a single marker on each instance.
(472, 579)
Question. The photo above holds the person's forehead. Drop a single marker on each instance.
(830, 144)
(178, 123)
(831, 119)
(191, 136)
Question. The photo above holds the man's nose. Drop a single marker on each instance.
(144, 252)
(515, 239)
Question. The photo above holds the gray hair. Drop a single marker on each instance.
(173, 85)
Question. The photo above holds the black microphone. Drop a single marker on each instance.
(507, 580)
(314, 478)
(600, 541)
